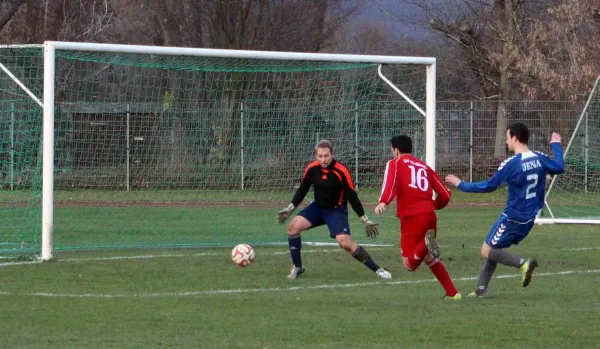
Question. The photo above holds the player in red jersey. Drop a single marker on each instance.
(412, 183)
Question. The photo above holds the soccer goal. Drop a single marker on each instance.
(182, 147)
(574, 197)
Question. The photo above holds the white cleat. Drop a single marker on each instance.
(295, 272)
(383, 273)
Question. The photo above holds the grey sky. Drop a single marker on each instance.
(373, 13)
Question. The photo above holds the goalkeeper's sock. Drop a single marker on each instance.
(501, 256)
(440, 272)
(416, 258)
(295, 243)
(485, 276)
(362, 256)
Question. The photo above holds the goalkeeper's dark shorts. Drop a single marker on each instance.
(335, 218)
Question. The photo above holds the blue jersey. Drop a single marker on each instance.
(525, 175)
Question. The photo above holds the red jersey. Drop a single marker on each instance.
(413, 183)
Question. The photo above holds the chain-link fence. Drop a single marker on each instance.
(466, 132)
(126, 146)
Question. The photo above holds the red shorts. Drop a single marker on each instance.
(413, 230)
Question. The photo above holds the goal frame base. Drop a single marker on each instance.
(540, 221)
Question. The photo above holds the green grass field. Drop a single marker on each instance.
(197, 297)
(94, 219)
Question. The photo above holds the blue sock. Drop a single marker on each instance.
(295, 243)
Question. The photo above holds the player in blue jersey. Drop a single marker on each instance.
(525, 173)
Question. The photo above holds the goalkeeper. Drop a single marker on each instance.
(333, 189)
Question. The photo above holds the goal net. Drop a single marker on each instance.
(171, 147)
(574, 197)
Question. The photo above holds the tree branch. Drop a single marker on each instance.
(10, 13)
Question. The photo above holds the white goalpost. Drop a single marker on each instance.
(196, 111)
(574, 197)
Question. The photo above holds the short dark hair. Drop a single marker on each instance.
(403, 143)
(520, 131)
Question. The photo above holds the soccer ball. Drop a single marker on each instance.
(242, 255)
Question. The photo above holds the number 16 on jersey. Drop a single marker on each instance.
(418, 178)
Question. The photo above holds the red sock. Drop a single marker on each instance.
(419, 252)
(440, 272)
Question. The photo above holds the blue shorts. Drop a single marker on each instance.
(335, 218)
(506, 232)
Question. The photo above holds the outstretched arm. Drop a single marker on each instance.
(300, 194)
(352, 197)
(350, 192)
(370, 226)
(485, 186)
(556, 166)
(302, 190)
(354, 201)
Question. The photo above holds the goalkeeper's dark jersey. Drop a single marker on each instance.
(333, 186)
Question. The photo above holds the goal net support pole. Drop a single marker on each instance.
(554, 218)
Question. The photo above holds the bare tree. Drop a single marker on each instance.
(370, 38)
(274, 24)
(248, 24)
(488, 37)
(561, 58)
(284, 25)
(34, 21)
(507, 20)
(8, 10)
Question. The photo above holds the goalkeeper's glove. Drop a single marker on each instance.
(285, 213)
(370, 227)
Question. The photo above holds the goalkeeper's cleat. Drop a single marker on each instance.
(295, 272)
(527, 270)
(383, 273)
(432, 244)
(456, 297)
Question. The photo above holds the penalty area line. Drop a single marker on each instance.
(376, 247)
(581, 249)
(274, 289)
(202, 254)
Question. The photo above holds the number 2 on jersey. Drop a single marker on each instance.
(528, 193)
(418, 178)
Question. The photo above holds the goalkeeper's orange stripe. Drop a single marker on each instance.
(312, 164)
(346, 173)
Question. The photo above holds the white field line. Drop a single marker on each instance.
(203, 254)
(175, 255)
(179, 255)
(581, 249)
(75, 260)
(273, 289)
(10, 264)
